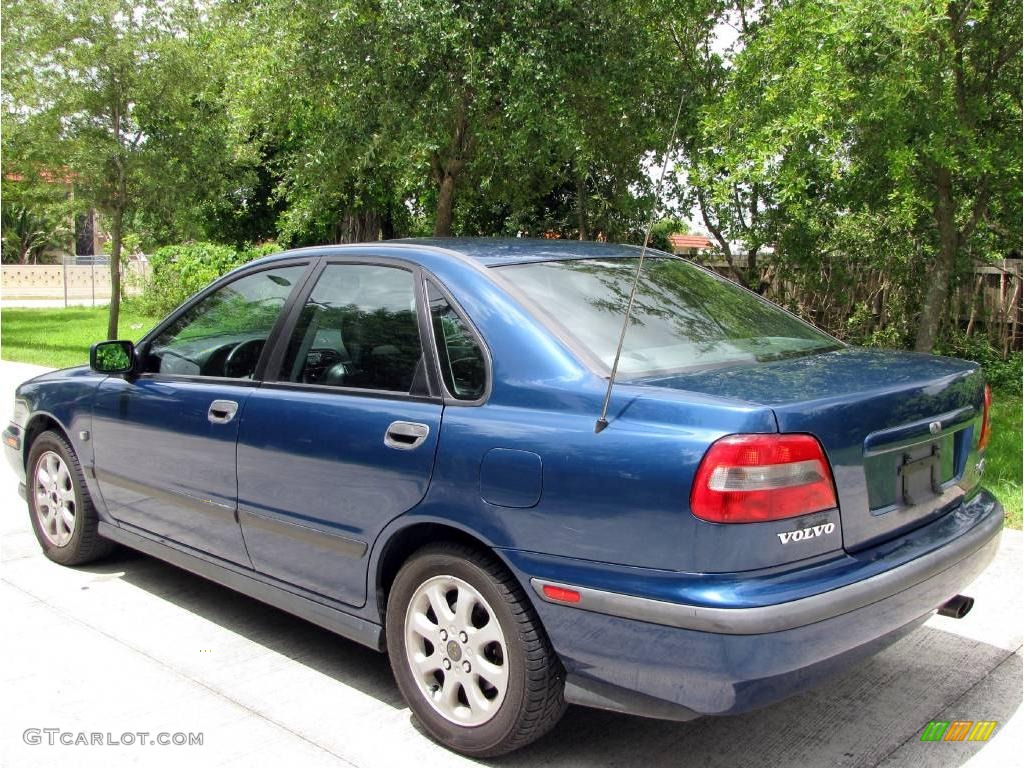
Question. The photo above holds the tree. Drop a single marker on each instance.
(110, 91)
(379, 112)
(868, 130)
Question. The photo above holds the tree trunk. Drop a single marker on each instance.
(581, 205)
(446, 168)
(445, 203)
(936, 295)
(387, 224)
(357, 227)
(115, 272)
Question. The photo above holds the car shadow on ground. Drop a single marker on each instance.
(347, 662)
(856, 719)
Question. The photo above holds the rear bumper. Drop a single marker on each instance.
(644, 654)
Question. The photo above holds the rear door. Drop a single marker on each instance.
(342, 439)
(165, 439)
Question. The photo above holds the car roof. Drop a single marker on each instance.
(491, 251)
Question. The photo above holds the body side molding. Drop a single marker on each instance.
(254, 585)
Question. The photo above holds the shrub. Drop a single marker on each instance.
(178, 271)
(1002, 374)
(663, 228)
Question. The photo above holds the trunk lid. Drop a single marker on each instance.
(898, 428)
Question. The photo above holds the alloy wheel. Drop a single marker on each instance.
(456, 650)
(55, 503)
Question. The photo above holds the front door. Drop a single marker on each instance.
(165, 439)
(344, 440)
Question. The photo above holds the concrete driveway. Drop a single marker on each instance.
(133, 645)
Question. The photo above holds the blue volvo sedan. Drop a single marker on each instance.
(397, 441)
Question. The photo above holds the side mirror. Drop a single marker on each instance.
(112, 356)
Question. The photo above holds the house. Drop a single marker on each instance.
(688, 245)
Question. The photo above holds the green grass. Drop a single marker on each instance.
(60, 338)
(1004, 456)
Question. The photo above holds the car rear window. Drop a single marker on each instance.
(683, 317)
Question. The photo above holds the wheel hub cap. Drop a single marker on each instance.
(454, 652)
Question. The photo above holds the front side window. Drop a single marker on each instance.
(358, 329)
(224, 334)
(683, 317)
(463, 366)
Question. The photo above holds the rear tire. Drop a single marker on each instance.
(62, 513)
(481, 677)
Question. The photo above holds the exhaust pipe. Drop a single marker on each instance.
(957, 607)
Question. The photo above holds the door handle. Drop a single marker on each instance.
(222, 411)
(405, 435)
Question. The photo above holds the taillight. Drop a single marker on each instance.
(986, 426)
(753, 478)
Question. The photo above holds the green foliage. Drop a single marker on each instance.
(506, 117)
(1004, 375)
(119, 96)
(27, 233)
(875, 146)
(852, 159)
(37, 215)
(178, 271)
(1004, 458)
(660, 231)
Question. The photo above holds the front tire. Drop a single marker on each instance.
(63, 516)
(469, 654)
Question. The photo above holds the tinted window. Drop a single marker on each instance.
(224, 334)
(358, 329)
(683, 317)
(463, 366)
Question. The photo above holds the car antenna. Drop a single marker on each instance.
(602, 420)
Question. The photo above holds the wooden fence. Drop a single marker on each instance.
(989, 303)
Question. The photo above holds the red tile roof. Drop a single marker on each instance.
(679, 241)
(62, 176)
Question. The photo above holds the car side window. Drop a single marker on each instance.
(463, 365)
(224, 334)
(358, 329)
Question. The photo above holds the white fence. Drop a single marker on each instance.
(80, 279)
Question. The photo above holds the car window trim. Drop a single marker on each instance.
(380, 394)
(275, 361)
(231, 277)
(449, 398)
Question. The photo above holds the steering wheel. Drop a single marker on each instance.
(318, 361)
(241, 361)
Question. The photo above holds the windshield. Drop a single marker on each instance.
(683, 317)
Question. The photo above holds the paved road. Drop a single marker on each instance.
(134, 645)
